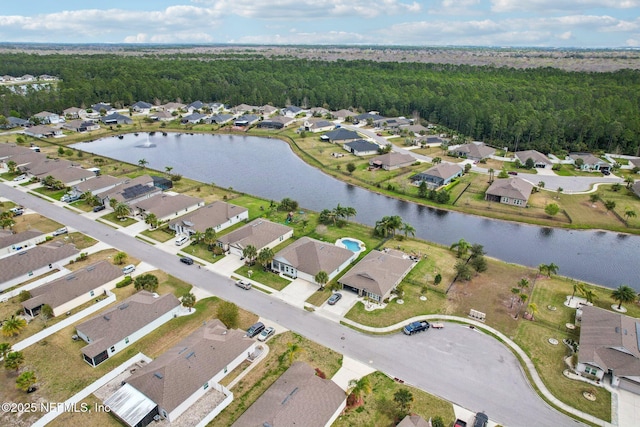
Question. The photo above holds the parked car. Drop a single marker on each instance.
(334, 298)
(415, 327)
(481, 420)
(182, 240)
(99, 208)
(266, 334)
(186, 260)
(606, 172)
(255, 329)
(128, 269)
(20, 177)
(460, 423)
(16, 211)
(60, 231)
(68, 198)
(513, 173)
(244, 285)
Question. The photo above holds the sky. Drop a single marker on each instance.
(517, 23)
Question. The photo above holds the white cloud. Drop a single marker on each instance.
(633, 42)
(559, 5)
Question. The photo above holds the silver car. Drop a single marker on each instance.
(264, 335)
(244, 285)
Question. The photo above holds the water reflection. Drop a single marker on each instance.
(546, 231)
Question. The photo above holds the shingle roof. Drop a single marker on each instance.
(298, 397)
(71, 174)
(162, 204)
(311, 256)
(443, 170)
(176, 374)
(378, 272)
(362, 145)
(413, 421)
(475, 150)
(588, 158)
(122, 192)
(73, 285)
(13, 238)
(513, 188)
(8, 150)
(117, 323)
(259, 233)
(393, 159)
(340, 134)
(98, 183)
(610, 340)
(536, 156)
(46, 166)
(211, 215)
(37, 257)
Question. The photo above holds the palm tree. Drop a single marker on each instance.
(120, 258)
(265, 257)
(188, 300)
(523, 298)
(629, 181)
(113, 203)
(552, 269)
(250, 253)
(168, 169)
(359, 388)
(14, 360)
(589, 295)
(13, 326)
(122, 210)
(462, 246)
(533, 310)
(629, 213)
(515, 292)
(403, 398)
(321, 278)
(349, 212)
(12, 165)
(577, 287)
(523, 283)
(197, 236)
(143, 163)
(152, 220)
(624, 294)
(210, 237)
(293, 350)
(408, 229)
(491, 174)
(542, 269)
(26, 381)
(5, 348)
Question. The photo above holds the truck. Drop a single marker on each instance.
(415, 327)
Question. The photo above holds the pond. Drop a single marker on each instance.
(268, 168)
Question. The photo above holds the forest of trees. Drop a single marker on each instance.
(544, 108)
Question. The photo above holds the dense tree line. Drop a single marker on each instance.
(545, 108)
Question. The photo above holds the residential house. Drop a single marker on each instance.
(217, 215)
(318, 111)
(392, 160)
(589, 162)
(244, 108)
(267, 110)
(74, 289)
(166, 207)
(162, 116)
(131, 191)
(47, 118)
(510, 191)
(636, 188)
(24, 160)
(609, 346)
(392, 123)
(361, 147)
(372, 116)
(173, 107)
(7, 151)
(34, 262)
(196, 106)
(43, 166)
(142, 107)
(162, 182)
(14, 122)
(116, 328)
(246, 120)
(318, 125)
(98, 184)
(42, 131)
(116, 119)
(377, 274)
(217, 107)
(413, 420)
(260, 233)
(291, 111)
(306, 257)
(340, 135)
(102, 108)
(81, 126)
(341, 115)
(299, 397)
(415, 129)
(172, 383)
(539, 159)
(193, 118)
(277, 122)
(71, 175)
(473, 151)
(634, 162)
(11, 242)
(220, 119)
(438, 175)
(74, 113)
(430, 140)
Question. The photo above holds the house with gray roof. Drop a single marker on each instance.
(99, 184)
(218, 215)
(173, 382)
(609, 346)
(196, 105)
(260, 233)
(246, 120)
(33, 262)
(14, 122)
(510, 191)
(306, 257)
(589, 162)
(392, 160)
(81, 126)
(220, 119)
(438, 175)
(11, 242)
(318, 125)
(116, 119)
(340, 136)
(193, 118)
(291, 111)
(298, 398)
(377, 274)
(361, 147)
(142, 107)
(42, 131)
(166, 207)
(113, 330)
(371, 115)
(131, 191)
(392, 123)
(72, 175)
(413, 420)
(100, 108)
(277, 122)
(539, 159)
(473, 151)
(74, 289)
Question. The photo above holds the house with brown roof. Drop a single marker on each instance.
(40, 169)
(74, 112)
(413, 420)
(260, 233)
(162, 116)
(99, 184)
(298, 398)
(12, 242)
(42, 131)
(305, 257)
(74, 289)
(81, 125)
(218, 215)
(609, 346)
(539, 159)
(9, 150)
(510, 191)
(589, 162)
(166, 207)
(172, 383)
(438, 175)
(113, 330)
(172, 106)
(341, 115)
(317, 125)
(377, 274)
(131, 191)
(473, 151)
(33, 262)
(392, 160)
(47, 118)
(24, 160)
(72, 175)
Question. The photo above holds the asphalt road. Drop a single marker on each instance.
(461, 365)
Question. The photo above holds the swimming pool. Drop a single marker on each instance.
(354, 245)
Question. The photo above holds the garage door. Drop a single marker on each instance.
(630, 385)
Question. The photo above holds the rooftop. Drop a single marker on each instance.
(311, 256)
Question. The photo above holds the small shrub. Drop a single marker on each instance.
(24, 295)
(124, 282)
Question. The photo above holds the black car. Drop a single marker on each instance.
(255, 329)
(481, 420)
(98, 208)
(605, 172)
(186, 260)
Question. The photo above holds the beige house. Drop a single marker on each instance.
(377, 274)
(298, 398)
(217, 215)
(510, 191)
(539, 159)
(166, 207)
(72, 175)
(74, 289)
(260, 233)
(12, 242)
(306, 257)
(131, 191)
(98, 184)
(391, 161)
(473, 151)
(413, 420)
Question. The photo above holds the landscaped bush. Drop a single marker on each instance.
(124, 282)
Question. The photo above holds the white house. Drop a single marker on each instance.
(166, 207)
(217, 215)
(260, 233)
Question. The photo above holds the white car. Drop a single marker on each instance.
(129, 269)
(182, 240)
(60, 231)
(20, 177)
(264, 335)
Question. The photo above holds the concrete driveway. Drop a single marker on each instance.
(297, 292)
(342, 307)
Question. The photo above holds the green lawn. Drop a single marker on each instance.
(159, 234)
(54, 194)
(267, 278)
(201, 251)
(122, 222)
